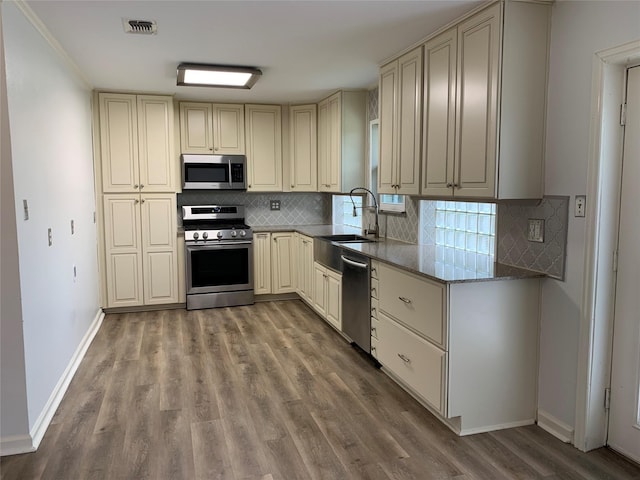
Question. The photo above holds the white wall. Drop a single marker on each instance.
(579, 29)
(13, 389)
(50, 122)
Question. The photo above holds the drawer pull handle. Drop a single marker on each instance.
(405, 300)
(404, 358)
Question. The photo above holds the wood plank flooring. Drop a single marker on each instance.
(267, 391)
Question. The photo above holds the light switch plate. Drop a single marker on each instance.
(580, 206)
(535, 231)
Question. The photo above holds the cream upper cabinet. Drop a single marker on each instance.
(137, 143)
(498, 61)
(263, 127)
(304, 285)
(341, 141)
(400, 124)
(262, 263)
(216, 128)
(283, 262)
(140, 249)
(303, 149)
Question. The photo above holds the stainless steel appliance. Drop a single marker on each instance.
(356, 284)
(356, 299)
(218, 256)
(214, 172)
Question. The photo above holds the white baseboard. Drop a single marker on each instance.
(44, 419)
(16, 444)
(555, 427)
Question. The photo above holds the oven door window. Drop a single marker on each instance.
(219, 268)
(206, 173)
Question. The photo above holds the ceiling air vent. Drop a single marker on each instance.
(143, 27)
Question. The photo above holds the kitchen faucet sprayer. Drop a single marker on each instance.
(376, 230)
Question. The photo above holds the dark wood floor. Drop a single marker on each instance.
(266, 392)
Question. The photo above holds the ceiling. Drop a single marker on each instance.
(306, 49)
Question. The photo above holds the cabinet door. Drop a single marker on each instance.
(334, 299)
(388, 125)
(155, 143)
(123, 250)
(262, 263)
(477, 104)
(119, 143)
(303, 148)
(160, 258)
(228, 129)
(440, 57)
(306, 270)
(196, 130)
(264, 147)
(319, 289)
(323, 147)
(409, 106)
(283, 274)
(419, 364)
(335, 143)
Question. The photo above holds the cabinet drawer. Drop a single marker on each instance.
(414, 301)
(375, 288)
(418, 363)
(375, 268)
(374, 307)
(375, 327)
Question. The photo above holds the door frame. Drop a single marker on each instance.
(603, 194)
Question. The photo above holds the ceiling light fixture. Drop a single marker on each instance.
(222, 76)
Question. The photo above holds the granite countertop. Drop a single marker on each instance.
(439, 263)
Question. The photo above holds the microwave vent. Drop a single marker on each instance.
(141, 27)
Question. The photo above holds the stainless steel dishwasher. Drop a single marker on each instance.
(356, 298)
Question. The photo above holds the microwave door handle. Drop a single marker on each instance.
(230, 174)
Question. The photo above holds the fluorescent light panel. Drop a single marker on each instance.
(217, 76)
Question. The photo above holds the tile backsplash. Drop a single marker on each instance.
(514, 248)
(295, 208)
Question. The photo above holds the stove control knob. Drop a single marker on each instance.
(219, 235)
(205, 235)
(195, 235)
(243, 233)
(233, 233)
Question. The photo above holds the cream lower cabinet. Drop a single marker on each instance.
(467, 350)
(327, 294)
(304, 285)
(263, 130)
(283, 262)
(262, 263)
(141, 249)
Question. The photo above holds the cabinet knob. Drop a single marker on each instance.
(136, 202)
(449, 185)
(216, 149)
(455, 185)
(141, 186)
(142, 201)
(135, 186)
(404, 358)
(211, 148)
(292, 186)
(373, 330)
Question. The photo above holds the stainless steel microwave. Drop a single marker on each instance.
(214, 172)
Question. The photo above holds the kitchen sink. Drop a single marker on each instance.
(347, 238)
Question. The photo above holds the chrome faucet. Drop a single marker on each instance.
(367, 231)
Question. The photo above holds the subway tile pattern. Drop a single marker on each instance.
(295, 208)
(514, 248)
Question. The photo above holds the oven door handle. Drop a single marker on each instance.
(213, 243)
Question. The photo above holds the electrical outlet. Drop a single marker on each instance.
(535, 232)
(25, 206)
(580, 206)
(275, 204)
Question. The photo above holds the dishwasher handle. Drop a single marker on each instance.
(354, 263)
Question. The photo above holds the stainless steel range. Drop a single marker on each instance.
(218, 256)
